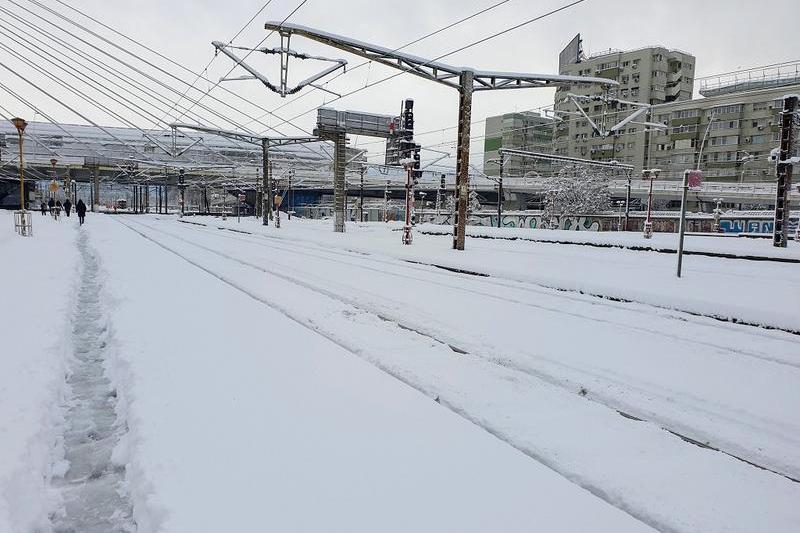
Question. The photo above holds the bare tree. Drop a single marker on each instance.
(575, 190)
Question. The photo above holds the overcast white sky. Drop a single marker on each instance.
(723, 34)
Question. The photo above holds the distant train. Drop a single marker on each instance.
(121, 203)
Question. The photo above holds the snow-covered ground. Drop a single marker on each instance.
(300, 380)
(753, 245)
(754, 292)
(38, 277)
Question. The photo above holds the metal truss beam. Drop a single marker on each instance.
(466, 80)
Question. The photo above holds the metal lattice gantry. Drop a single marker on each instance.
(265, 143)
(465, 80)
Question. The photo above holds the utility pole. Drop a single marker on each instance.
(266, 184)
(682, 223)
(386, 202)
(96, 188)
(259, 195)
(628, 202)
(361, 195)
(466, 81)
(407, 237)
(784, 169)
(182, 188)
(290, 194)
(500, 193)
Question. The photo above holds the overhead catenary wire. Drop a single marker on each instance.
(205, 69)
(150, 64)
(216, 84)
(151, 95)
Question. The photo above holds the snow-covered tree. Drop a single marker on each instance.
(575, 190)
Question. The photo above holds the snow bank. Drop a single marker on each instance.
(38, 276)
(242, 419)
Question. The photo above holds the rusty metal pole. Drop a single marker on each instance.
(96, 187)
(462, 158)
(780, 236)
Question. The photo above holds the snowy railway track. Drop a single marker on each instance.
(723, 322)
(360, 258)
(688, 434)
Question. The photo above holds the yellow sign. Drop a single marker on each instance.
(53, 186)
(278, 199)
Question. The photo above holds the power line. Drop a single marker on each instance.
(150, 64)
(197, 78)
(216, 84)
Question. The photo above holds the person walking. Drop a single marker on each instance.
(44, 208)
(51, 204)
(80, 208)
(67, 207)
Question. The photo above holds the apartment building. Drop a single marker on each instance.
(740, 129)
(652, 75)
(525, 130)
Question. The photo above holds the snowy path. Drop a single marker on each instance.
(430, 363)
(295, 432)
(93, 488)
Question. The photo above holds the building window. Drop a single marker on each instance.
(635, 78)
(725, 109)
(631, 145)
(635, 63)
(686, 113)
(760, 106)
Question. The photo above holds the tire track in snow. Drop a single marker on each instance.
(624, 409)
(93, 489)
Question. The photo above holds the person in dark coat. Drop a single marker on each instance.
(80, 208)
(44, 208)
(51, 204)
(67, 206)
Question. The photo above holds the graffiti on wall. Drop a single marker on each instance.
(665, 224)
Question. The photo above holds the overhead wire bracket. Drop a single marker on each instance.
(285, 53)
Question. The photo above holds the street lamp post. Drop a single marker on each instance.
(652, 175)
(23, 224)
(20, 124)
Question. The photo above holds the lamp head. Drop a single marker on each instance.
(20, 124)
